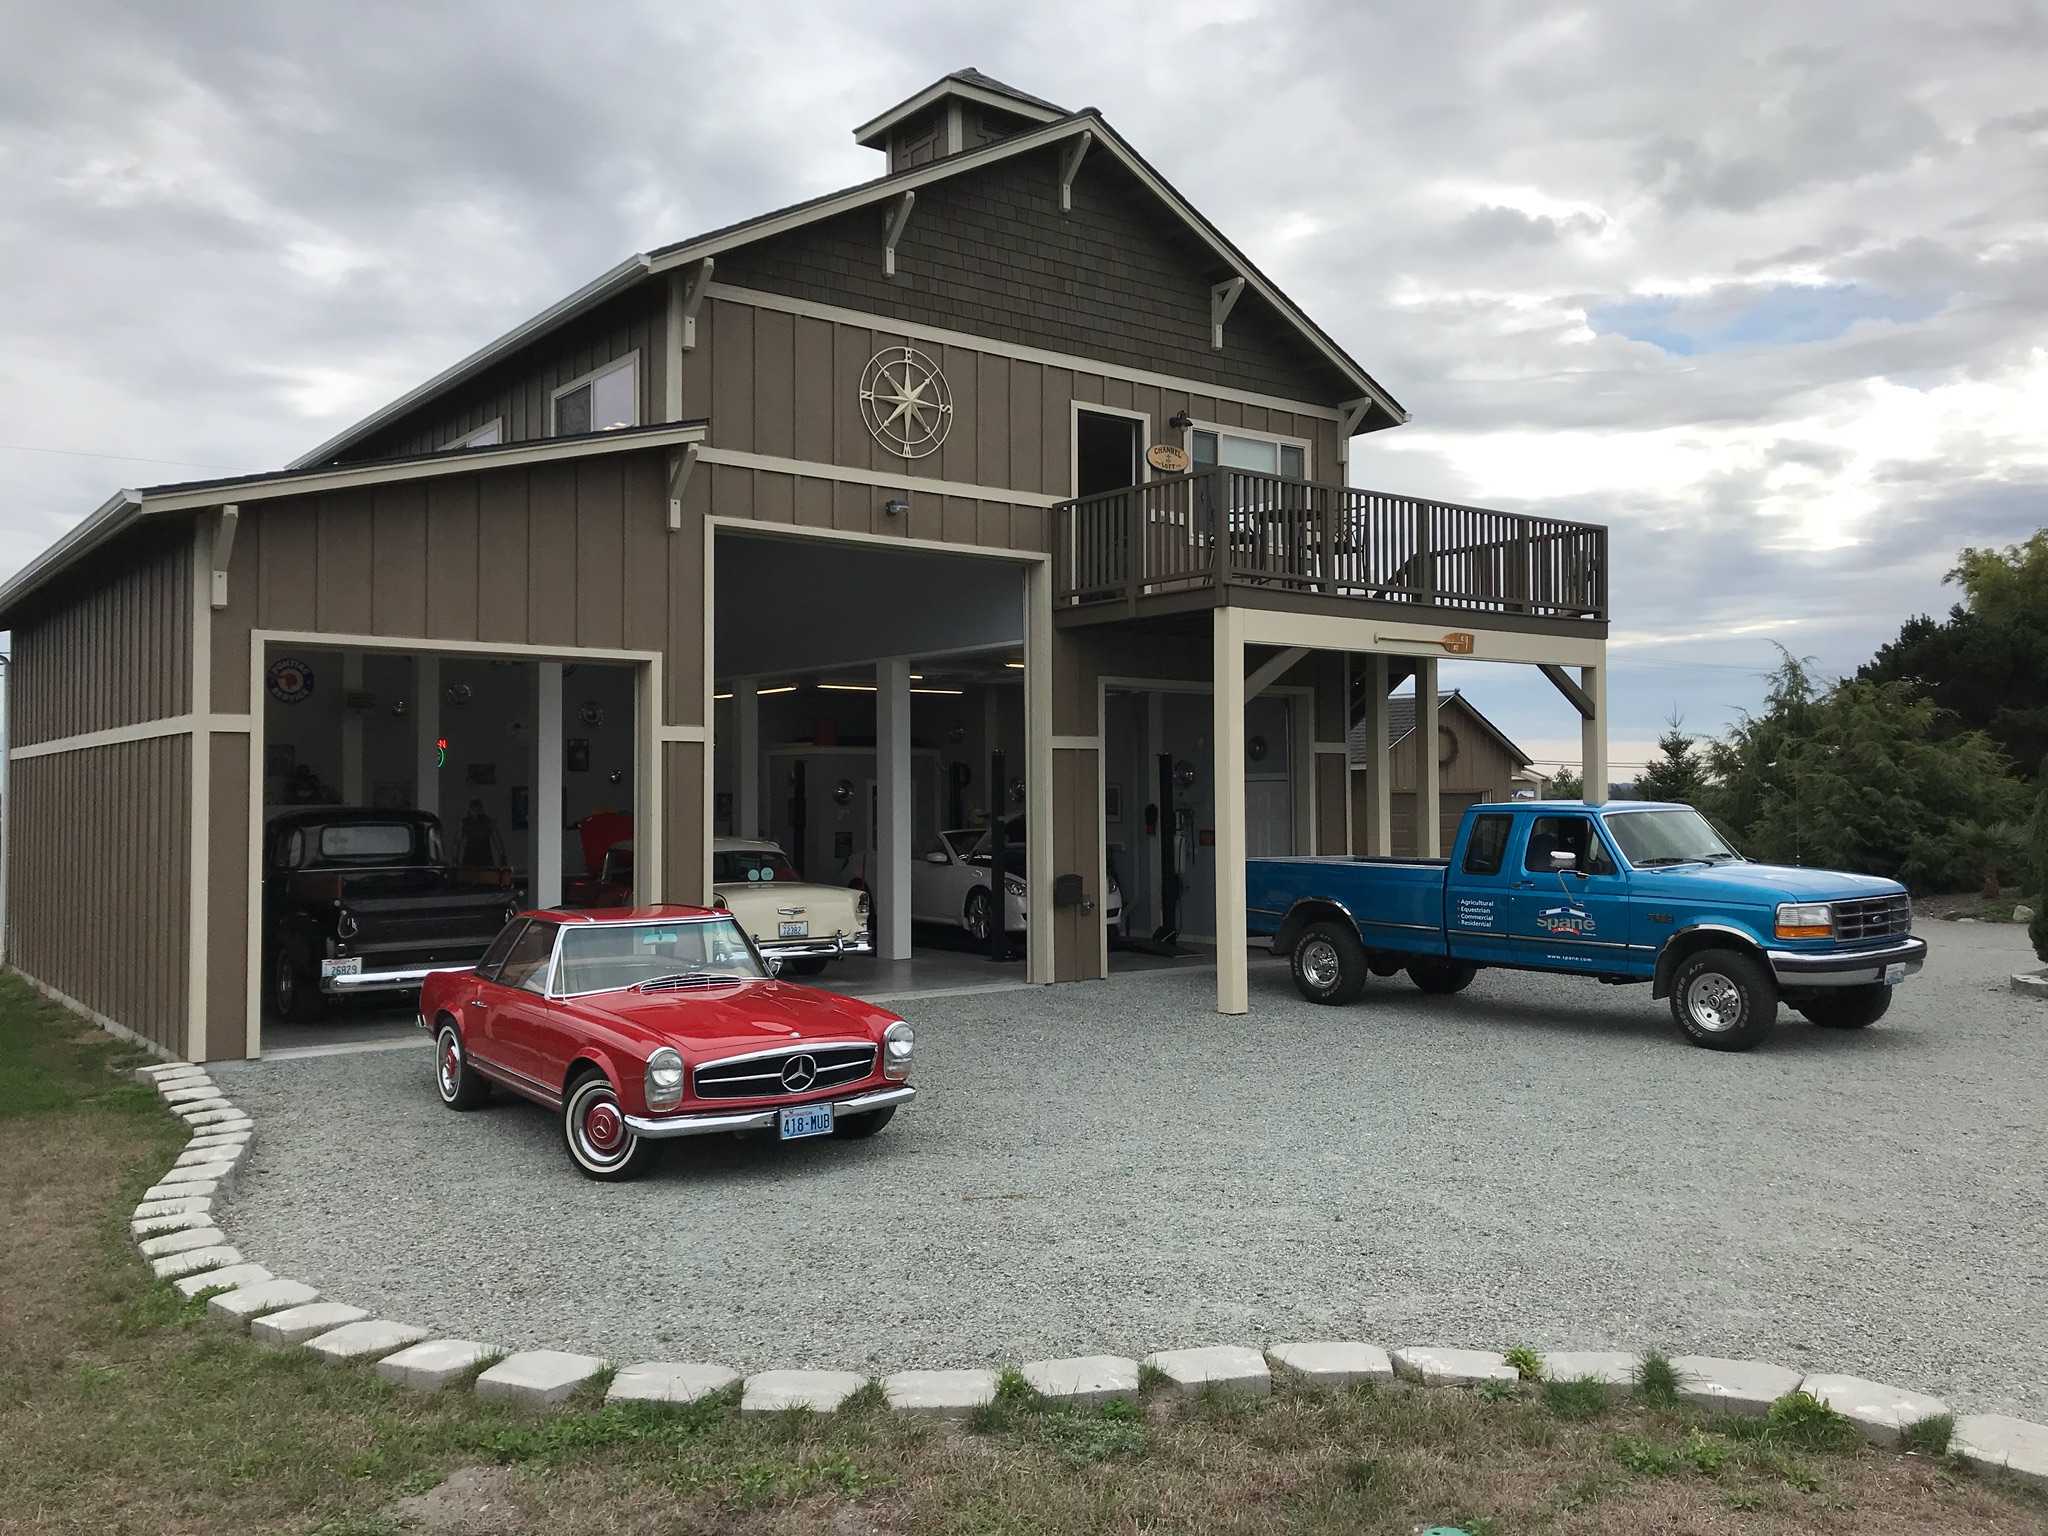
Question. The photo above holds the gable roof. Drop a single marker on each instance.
(969, 84)
(1378, 408)
(1401, 712)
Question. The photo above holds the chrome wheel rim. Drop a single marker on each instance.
(1320, 965)
(1714, 1003)
(450, 1065)
(287, 982)
(977, 915)
(598, 1133)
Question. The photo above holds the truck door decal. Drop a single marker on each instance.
(1477, 913)
(1573, 921)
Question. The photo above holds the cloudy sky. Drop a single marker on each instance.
(1762, 286)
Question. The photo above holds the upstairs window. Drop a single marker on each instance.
(1209, 446)
(489, 435)
(603, 399)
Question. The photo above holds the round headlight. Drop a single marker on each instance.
(897, 1042)
(664, 1079)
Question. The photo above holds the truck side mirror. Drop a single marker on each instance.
(1561, 860)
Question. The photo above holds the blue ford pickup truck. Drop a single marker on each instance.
(1626, 892)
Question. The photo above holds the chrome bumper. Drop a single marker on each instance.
(1845, 968)
(831, 948)
(400, 980)
(658, 1127)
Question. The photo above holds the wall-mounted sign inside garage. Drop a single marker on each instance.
(290, 679)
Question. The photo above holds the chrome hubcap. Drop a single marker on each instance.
(1319, 964)
(1714, 1002)
(451, 1064)
(600, 1127)
(977, 917)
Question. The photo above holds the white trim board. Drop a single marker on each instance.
(813, 469)
(868, 320)
(752, 528)
(85, 741)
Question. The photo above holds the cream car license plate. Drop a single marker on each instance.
(352, 966)
(793, 930)
(810, 1120)
(1894, 974)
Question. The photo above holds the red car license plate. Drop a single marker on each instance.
(809, 1120)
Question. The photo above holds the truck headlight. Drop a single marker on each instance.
(664, 1079)
(897, 1041)
(1014, 885)
(1805, 920)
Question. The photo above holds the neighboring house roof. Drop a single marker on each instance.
(1381, 409)
(970, 84)
(1401, 725)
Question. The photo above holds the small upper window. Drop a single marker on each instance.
(600, 401)
(489, 435)
(1264, 454)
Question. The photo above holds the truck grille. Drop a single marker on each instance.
(1878, 917)
(795, 1071)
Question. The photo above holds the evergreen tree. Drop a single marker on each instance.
(1566, 785)
(1680, 774)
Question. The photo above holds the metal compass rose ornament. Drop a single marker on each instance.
(904, 399)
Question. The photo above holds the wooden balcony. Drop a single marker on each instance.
(1231, 536)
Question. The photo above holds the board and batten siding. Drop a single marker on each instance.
(99, 855)
(787, 386)
(107, 646)
(520, 390)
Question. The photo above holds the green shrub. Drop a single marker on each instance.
(1929, 1437)
(1527, 1363)
(1657, 1380)
(1803, 1420)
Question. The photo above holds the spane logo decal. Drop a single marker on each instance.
(1571, 922)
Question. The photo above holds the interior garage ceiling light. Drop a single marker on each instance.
(1014, 666)
(763, 693)
(951, 693)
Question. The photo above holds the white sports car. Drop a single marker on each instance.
(801, 924)
(949, 883)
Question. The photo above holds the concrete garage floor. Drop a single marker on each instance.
(1112, 1167)
(941, 963)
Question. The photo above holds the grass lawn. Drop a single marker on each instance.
(123, 1410)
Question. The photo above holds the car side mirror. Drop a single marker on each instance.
(775, 965)
(1562, 861)
(935, 857)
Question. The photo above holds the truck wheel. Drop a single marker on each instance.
(294, 996)
(1440, 978)
(1850, 1008)
(1329, 963)
(1724, 1000)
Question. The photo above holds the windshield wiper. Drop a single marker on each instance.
(1667, 861)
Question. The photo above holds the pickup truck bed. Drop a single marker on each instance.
(1628, 892)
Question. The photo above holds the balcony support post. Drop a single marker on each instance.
(1593, 732)
(1429, 827)
(1379, 788)
(1232, 978)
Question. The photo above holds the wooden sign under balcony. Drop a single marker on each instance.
(1167, 459)
(1457, 643)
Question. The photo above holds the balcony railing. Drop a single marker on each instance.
(1162, 539)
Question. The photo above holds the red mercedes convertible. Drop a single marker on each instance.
(635, 1024)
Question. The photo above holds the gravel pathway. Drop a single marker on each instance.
(1113, 1168)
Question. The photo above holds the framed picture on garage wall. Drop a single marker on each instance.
(576, 754)
(1112, 802)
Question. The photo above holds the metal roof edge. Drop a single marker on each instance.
(111, 516)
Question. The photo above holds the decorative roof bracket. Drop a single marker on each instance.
(1222, 299)
(898, 217)
(679, 467)
(693, 300)
(224, 522)
(1070, 167)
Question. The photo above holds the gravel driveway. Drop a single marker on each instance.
(1114, 1168)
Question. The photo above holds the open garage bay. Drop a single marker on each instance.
(1114, 1167)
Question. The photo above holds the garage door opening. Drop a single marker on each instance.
(873, 735)
(410, 801)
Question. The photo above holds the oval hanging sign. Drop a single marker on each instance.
(290, 680)
(1167, 459)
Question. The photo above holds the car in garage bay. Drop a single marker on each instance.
(802, 924)
(359, 900)
(950, 881)
(643, 1024)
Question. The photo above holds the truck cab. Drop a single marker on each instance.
(1633, 891)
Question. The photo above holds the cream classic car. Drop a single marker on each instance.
(790, 920)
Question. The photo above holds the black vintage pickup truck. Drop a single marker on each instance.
(358, 901)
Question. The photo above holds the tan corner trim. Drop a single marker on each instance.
(200, 777)
(813, 469)
(1077, 743)
(754, 529)
(173, 725)
(112, 1026)
(231, 724)
(868, 320)
(682, 733)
